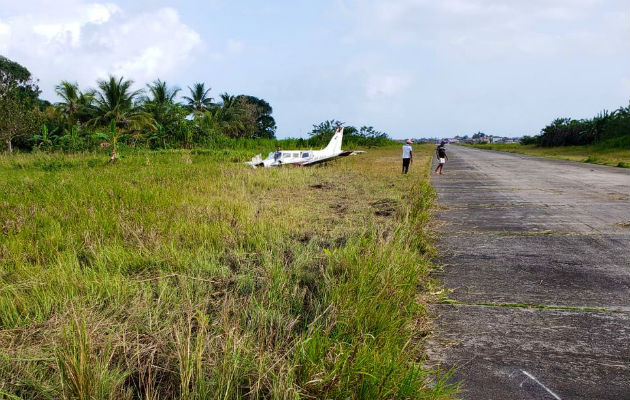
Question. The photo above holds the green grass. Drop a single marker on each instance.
(595, 154)
(185, 274)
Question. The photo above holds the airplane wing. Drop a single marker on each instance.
(342, 154)
(321, 160)
(351, 153)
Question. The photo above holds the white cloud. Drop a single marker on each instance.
(85, 41)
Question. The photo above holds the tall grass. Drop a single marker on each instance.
(602, 153)
(83, 373)
(182, 274)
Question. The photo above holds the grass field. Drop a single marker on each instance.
(188, 275)
(595, 154)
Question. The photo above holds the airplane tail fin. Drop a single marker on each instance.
(334, 146)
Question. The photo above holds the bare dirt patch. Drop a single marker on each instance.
(384, 207)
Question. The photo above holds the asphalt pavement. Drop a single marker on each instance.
(536, 258)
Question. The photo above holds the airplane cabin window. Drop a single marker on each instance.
(286, 155)
(296, 155)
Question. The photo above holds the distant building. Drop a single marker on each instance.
(505, 139)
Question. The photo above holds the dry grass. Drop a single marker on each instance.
(178, 275)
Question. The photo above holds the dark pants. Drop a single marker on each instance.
(406, 162)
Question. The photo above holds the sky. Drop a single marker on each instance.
(411, 68)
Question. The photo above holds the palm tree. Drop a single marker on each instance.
(166, 112)
(161, 94)
(228, 101)
(199, 100)
(75, 104)
(115, 101)
(231, 117)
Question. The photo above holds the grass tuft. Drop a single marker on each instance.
(84, 372)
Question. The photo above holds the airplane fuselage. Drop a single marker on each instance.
(303, 157)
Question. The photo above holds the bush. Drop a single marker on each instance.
(611, 128)
(530, 140)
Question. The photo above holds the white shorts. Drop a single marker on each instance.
(442, 161)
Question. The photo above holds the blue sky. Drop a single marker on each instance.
(411, 68)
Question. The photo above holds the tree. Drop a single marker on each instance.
(75, 105)
(325, 129)
(530, 140)
(371, 133)
(18, 117)
(198, 101)
(161, 94)
(323, 132)
(162, 106)
(364, 136)
(261, 110)
(233, 117)
(14, 76)
(350, 130)
(19, 113)
(115, 101)
(228, 101)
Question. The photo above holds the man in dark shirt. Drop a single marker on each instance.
(440, 153)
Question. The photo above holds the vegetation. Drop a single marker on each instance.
(180, 274)
(321, 134)
(611, 129)
(19, 116)
(114, 114)
(595, 154)
(604, 139)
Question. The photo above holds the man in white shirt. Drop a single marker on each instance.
(407, 156)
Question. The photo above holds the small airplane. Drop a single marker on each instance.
(304, 157)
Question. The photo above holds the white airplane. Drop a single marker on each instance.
(304, 157)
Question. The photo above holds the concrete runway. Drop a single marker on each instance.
(517, 232)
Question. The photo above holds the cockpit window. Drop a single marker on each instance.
(306, 154)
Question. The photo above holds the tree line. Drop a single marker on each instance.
(611, 129)
(321, 134)
(608, 129)
(114, 114)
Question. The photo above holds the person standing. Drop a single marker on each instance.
(440, 153)
(407, 156)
